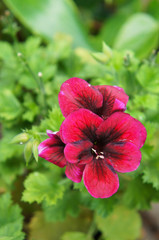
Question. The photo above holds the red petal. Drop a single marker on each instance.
(122, 127)
(118, 106)
(76, 93)
(52, 134)
(52, 149)
(80, 125)
(114, 99)
(79, 152)
(74, 172)
(119, 93)
(143, 132)
(124, 157)
(100, 180)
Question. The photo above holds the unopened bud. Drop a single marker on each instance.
(101, 57)
(28, 151)
(21, 138)
(35, 149)
(19, 54)
(40, 74)
(107, 50)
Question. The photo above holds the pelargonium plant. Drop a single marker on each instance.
(97, 139)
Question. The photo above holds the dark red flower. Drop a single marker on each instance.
(102, 147)
(52, 149)
(76, 93)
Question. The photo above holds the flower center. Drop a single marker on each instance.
(98, 155)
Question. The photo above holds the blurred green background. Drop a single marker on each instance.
(114, 42)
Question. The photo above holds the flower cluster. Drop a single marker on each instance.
(97, 139)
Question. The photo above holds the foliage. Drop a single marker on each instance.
(125, 25)
(39, 188)
(11, 219)
(31, 73)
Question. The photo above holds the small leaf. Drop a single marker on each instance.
(69, 204)
(10, 107)
(151, 170)
(139, 195)
(39, 188)
(10, 219)
(148, 77)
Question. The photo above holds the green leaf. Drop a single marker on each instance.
(31, 108)
(139, 33)
(7, 149)
(121, 224)
(102, 207)
(11, 220)
(53, 122)
(146, 101)
(74, 236)
(10, 107)
(148, 77)
(151, 170)
(39, 188)
(50, 17)
(139, 195)
(69, 204)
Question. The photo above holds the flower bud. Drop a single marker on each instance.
(21, 138)
(35, 149)
(107, 50)
(101, 57)
(28, 151)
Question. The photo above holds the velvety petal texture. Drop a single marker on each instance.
(76, 93)
(124, 157)
(100, 180)
(52, 149)
(122, 127)
(74, 172)
(80, 125)
(97, 139)
(79, 152)
(114, 99)
(103, 100)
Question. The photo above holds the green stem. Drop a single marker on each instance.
(30, 70)
(91, 230)
(43, 92)
(38, 81)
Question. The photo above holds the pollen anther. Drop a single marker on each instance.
(100, 156)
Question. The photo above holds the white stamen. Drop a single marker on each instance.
(100, 156)
(94, 151)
